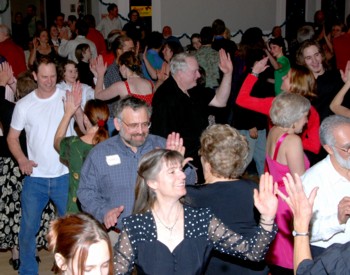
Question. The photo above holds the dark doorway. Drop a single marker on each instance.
(53, 7)
(295, 17)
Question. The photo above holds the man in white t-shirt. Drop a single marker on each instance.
(39, 114)
(111, 26)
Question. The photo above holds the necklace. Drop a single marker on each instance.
(170, 228)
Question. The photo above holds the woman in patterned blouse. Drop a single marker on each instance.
(164, 236)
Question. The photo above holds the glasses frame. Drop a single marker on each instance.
(342, 149)
(135, 126)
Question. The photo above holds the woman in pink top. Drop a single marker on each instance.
(134, 85)
(284, 154)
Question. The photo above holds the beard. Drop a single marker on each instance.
(344, 163)
(130, 139)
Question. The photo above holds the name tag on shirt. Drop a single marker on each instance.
(113, 160)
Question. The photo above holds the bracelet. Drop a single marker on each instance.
(269, 224)
(255, 74)
(269, 220)
(298, 234)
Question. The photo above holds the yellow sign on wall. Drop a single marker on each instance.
(143, 10)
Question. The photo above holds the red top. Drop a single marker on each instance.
(96, 37)
(341, 46)
(14, 55)
(310, 136)
(148, 98)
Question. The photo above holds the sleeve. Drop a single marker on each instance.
(123, 254)
(310, 136)
(323, 225)
(63, 49)
(18, 118)
(245, 100)
(235, 244)
(88, 190)
(191, 174)
(334, 260)
(65, 146)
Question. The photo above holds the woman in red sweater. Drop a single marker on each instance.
(301, 82)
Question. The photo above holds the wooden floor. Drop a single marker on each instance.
(44, 267)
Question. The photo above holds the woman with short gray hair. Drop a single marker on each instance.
(284, 154)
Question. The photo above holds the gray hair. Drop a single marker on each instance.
(5, 30)
(132, 102)
(328, 127)
(288, 108)
(179, 62)
(305, 33)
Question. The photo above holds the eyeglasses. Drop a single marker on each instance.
(136, 126)
(345, 150)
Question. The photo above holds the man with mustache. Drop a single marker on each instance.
(330, 222)
(108, 176)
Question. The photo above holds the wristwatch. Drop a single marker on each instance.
(296, 234)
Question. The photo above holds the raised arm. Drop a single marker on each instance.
(69, 110)
(272, 60)
(336, 104)
(116, 89)
(245, 100)
(224, 90)
(301, 207)
(254, 248)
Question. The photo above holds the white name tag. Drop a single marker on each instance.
(113, 160)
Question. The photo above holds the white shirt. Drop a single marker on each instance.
(67, 48)
(325, 227)
(107, 25)
(40, 119)
(87, 94)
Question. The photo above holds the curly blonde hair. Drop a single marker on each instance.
(225, 149)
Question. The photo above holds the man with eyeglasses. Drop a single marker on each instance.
(108, 176)
(330, 223)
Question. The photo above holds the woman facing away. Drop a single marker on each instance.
(164, 236)
(73, 150)
(285, 154)
(224, 153)
(80, 246)
(134, 84)
(300, 81)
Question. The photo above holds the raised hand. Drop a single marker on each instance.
(260, 66)
(225, 63)
(6, 74)
(175, 142)
(298, 202)
(265, 200)
(345, 75)
(98, 67)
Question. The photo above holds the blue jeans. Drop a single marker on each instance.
(35, 195)
(257, 149)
